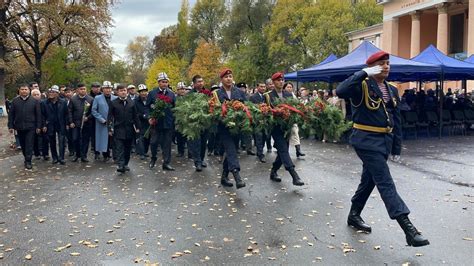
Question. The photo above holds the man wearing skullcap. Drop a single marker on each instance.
(376, 135)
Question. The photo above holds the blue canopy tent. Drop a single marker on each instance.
(470, 59)
(294, 76)
(340, 69)
(451, 69)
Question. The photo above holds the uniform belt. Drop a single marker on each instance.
(372, 128)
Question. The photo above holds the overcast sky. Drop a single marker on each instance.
(141, 17)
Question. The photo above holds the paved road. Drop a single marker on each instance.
(88, 214)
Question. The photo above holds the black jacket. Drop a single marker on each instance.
(272, 96)
(76, 110)
(235, 94)
(257, 98)
(166, 122)
(123, 119)
(55, 116)
(25, 114)
(367, 110)
(141, 110)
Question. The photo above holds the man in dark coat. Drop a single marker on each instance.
(260, 137)
(377, 134)
(280, 142)
(140, 103)
(161, 129)
(123, 125)
(56, 117)
(81, 120)
(24, 120)
(228, 92)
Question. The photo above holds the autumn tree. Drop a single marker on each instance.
(167, 42)
(37, 27)
(171, 64)
(206, 62)
(184, 31)
(207, 19)
(138, 53)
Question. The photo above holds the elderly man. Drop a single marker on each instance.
(100, 111)
(377, 134)
(161, 129)
(56, 118)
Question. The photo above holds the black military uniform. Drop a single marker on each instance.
(229, 141)
(123, 121)
(376, 134)
(280, 142)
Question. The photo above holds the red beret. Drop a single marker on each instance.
(380, 55)
(277, 75)
(224, 72)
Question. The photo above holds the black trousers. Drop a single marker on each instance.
(375, 172)
(61, 143)
(162, 137)
(70, 140)
(283, 155)
(142, 143)
(180, 142)
(198, 148)
(123, 148)
(40, 147)
(93, 137)
(230, 142)
(81, 137)
(26, 138)
(260, 140)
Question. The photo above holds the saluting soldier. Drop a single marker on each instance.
(228, 92)
(377, 134)
(278, 135)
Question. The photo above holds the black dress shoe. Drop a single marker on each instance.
(142, 157)
(121, 170)
(198, 168)
(262, 159)
(274, 176)
(55, 161)
(28, 165)
(167, 167)
(62, 162)
(84, 160)
(96, 156)
(126, 168)
(71, 154)
(250, 152)
(204, 164)
(190, 156)
(46, 158)
(75, 159)
(180, 155)
(269, 150)
(106, 159)
(152, 163)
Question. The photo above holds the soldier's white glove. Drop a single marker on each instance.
(395, 158)
(372, 70)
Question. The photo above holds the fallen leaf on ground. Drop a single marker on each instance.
(74, 254)
(59, 249)
(28, 257)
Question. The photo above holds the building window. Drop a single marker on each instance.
(456, 34)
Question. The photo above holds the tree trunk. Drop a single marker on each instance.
(3, 37)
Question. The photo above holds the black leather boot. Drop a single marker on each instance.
(238, 180)
(152, 162)
(356, 221)
(414, 238)
(225, 179)
(296, 178)
(274, 175)
(298, 151)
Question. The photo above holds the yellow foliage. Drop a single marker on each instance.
(170, 64)
(207, 63)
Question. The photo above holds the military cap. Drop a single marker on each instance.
(277, 75)
(225, 71)
(380, 55)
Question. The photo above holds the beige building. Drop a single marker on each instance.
(409, 26)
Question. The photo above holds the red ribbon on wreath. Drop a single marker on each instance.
(247, 112)
(291, 108)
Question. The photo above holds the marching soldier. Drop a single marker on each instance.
(162, 129)
(123, 124)
(228, 92)
(377, 134)
(278, 135)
